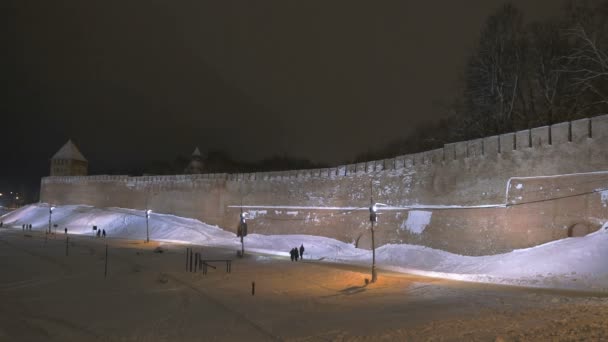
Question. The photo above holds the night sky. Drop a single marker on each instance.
(142, 80)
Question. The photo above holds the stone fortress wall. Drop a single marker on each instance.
(483, 196)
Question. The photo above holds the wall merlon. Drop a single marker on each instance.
(427, 157)
(323, 173)
(389, 164)
(560, 133)
(599, 126)
(399, 163)
(460, 149)
(507, 142)
(490, 146)
(351, 169)
(436, 155)
(361, 167)
(522, 139)
(475, 148)
(449, 152)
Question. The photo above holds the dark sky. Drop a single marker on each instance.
(140, 80)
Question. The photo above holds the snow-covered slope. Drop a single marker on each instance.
(4, 210)
(572, 263)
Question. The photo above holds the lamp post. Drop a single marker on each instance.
(373, 218)
(148, 211)
(50, 215)
(242, 231)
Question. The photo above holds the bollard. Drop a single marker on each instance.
(105, 272)
(253, 288)
(195, 262)
(187, 253)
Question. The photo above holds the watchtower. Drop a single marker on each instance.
(68, 161)
(196, 163)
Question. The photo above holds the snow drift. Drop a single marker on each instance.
(577, 263)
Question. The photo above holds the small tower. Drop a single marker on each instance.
(196, 163)
(68, 161)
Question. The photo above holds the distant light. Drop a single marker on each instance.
(374, 208)
(0, 194)
(17, 197)
(148, 212)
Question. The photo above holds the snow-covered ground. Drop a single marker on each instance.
(573, 263)
(4, 210)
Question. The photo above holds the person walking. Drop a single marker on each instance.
(291, 254)
(296, 253)
(103, 233)
(302, 251)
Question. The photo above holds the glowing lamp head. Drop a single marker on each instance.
(148, 212)
(373, 208)
(51, 209)
(243, 219)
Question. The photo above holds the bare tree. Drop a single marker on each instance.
(588, 66)
(493, 74)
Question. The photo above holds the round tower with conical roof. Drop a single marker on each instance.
(68, 161)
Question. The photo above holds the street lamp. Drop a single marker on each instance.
(373, 218)
(242, 231)
(147, 229)
(50, 215)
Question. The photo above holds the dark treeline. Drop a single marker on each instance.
(522, 76)
(217, 161)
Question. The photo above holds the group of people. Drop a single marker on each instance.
(26, 227)
(101, 232)
(297, 254)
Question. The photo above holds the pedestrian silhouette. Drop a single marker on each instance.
(296, 253)
(104, 233)
(66, 230)
(98, 232)
(302, 251)
(291, 254)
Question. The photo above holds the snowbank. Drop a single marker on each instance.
(574, 263)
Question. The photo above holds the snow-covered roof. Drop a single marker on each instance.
(69, 151)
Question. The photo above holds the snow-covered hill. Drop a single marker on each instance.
(573, 263)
